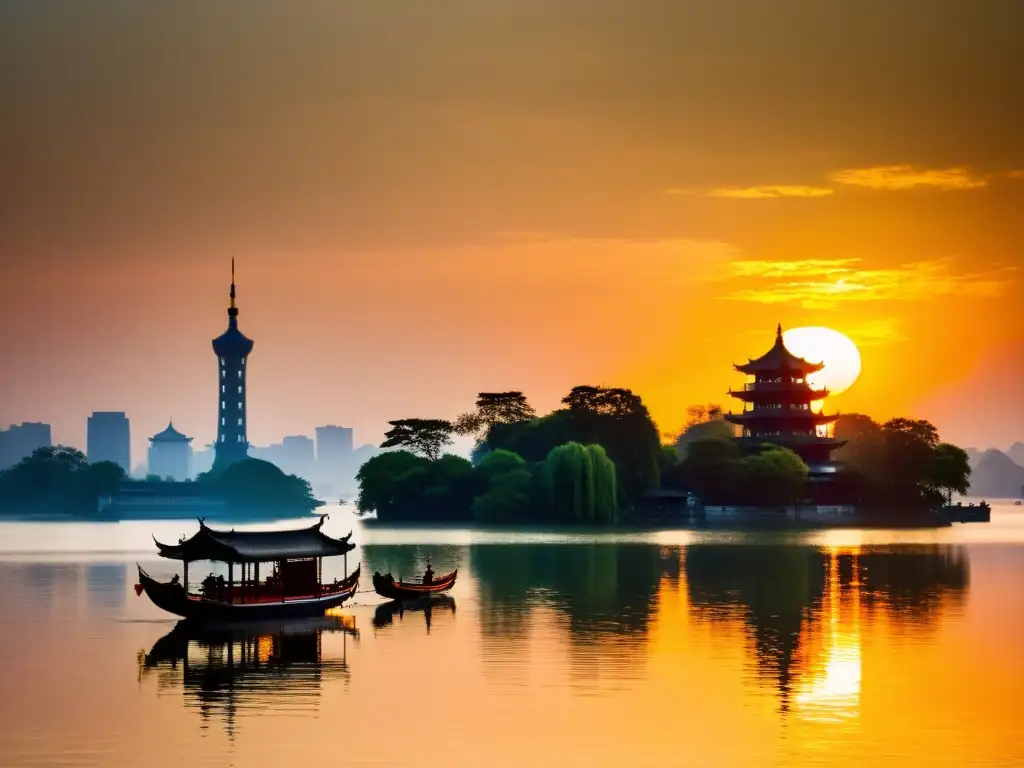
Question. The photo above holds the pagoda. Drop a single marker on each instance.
(170, 454)
(779, 407)
(232, 349)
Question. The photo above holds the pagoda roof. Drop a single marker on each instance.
(779, 358)
(170, 435)
(256, 546)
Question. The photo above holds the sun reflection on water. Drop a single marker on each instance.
(831, 691)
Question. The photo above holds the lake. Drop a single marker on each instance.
(830, 648)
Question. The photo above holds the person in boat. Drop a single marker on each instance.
(209, 585)
(175, 580)
(428, 575)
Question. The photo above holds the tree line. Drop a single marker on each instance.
(61, 480)
(583, 463)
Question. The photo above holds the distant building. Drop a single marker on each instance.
(170, 454)
(333, 448)
(108, 438)
(21, 440)
(202, 460)
(232, 349)
(297, 455)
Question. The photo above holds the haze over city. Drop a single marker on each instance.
(426, 202)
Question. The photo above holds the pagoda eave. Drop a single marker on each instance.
(791, 440)
(771, 395)
(802, 417)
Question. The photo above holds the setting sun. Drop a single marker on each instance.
(825, 345)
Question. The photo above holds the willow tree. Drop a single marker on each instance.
(580, 483)
(605, 493)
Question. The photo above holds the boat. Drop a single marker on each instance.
(387, 586)
(293, 589)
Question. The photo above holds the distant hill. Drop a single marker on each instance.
(997, 476)
(1016, 453)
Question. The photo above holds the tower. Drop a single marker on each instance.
(232, 349)
(778, 406)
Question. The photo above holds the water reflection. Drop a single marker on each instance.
(407, 562)
(385, 614)
(803, 610)
(598, 599)
(223, 671)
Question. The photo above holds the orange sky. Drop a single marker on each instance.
(429, 202)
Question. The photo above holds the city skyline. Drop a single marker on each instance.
(587, 194)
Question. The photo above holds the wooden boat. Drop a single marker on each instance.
(293, 589)
(386, 586)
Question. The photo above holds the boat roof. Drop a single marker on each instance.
(256, 546)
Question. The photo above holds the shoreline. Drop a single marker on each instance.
(653, 525)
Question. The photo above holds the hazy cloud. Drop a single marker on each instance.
(761, 192)
(899, 177)
(823, 284)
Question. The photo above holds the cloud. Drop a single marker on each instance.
(1017, 174)
(900, 177)
(877, 332)
(762, 192)
(825, 283)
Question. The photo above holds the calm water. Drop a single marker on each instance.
(833, 649)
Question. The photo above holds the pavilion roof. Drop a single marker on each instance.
(170, 435)
(778, 358)
(256, 546)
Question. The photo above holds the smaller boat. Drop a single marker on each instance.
(387, 586)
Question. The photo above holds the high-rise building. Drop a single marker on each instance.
(297, 455)
(21, 440)
(170, 454)
(333, 448)
(232, 349)
(108, 438)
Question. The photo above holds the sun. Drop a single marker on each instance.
(824, 345)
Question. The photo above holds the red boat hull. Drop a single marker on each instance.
(406, 590)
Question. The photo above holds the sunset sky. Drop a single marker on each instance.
(427, 200)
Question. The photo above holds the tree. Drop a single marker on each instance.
(702, 414)
(774, 475)
(605, 401)
(384, 486)
(909, 448)
(950, 470)
(705, 422)
(256, 485)
(507, 481)
(427, 437)
(615, 419)
(709, 469)
(494, 408)
(104, 478)
(581, 484)
(58, 477)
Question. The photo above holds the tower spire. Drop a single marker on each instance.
(233, 310)
(778, 331)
